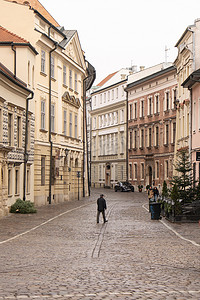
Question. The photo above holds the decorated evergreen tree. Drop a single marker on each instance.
(184, 178)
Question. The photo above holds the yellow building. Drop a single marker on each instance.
(58, 75)
(16, 121)
(187, 61)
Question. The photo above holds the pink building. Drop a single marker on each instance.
(193, 84)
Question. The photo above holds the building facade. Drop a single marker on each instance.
(108, 131)
(192, 83)
(187, 61)
(58, 97)
(151, 125)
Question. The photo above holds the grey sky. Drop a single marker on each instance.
(115, 34)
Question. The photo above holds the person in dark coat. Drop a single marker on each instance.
(101, 207)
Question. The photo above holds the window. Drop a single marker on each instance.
(174, 98)
(70, 124)
(131, 140)
(100, 98)
(150, 106)
(65, 123)
(156, 104)
(9, 182)
(122, 143)
(42, 114)
(194, 116)
(28, 181)
(16, 182)
(52, 68)
(130, 171)
(112, 94)
(19, 130)
(10, 129)
(116, 143)
(174, 132)
(149, 137)
(108, 95)
(70, 79)
(104, 97)
(135, 110)
(142, 138)
(157, 137)
(141, 108)
(167, 101)
(43, 61)
(166, 169)
(117, 92)
(122, 116)
(29, 135)
(130, 112)
(94, 123)
(76, 83)
(42, 170)
(64, 75)
(157, 169)
(52, 117)
(76, 127)
(94, 146)
(100, 172)
(1, 125)
(142, 170)
(135, 139)
(135, 171)
(199, 114)
(116, 117)
(167, 134)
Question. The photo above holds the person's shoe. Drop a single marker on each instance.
(106, 221)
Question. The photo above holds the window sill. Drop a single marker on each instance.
(149, 116)
(65, 86)
(166, 145)
(53, 79)
(43, 130)
(43, 74)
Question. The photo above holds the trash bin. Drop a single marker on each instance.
(155, 209)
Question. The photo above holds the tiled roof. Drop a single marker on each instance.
(7, 36)
(11, 76)
(40, 8)
(106, 79)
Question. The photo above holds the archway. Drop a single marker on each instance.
(150, 175)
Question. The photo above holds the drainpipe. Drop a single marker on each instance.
(126, 135)
(25, 147)
(51, 144)
(84, 115)
(190, 126)
(14, 50)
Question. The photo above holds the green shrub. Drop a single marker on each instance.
(23, 207)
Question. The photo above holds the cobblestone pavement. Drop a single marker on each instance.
(61, 253)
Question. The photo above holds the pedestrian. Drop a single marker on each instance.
(156, 193)
(150, 196)
(101, 207)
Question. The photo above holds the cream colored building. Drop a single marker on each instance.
(108, 131)
(16, 121)
(187, 61)
(58, 76)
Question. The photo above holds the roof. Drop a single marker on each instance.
(39, 7)
(192, 79)
(7, 73)
(68, 34)
(149, 77)
(7, 36)
(106, 79)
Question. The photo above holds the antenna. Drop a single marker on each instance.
(166, 56)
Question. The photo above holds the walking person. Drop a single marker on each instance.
(156, 193)
(150, 196)
(101, 207)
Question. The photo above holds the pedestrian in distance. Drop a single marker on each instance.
(150, 196)
(101, 207)
(156, 193)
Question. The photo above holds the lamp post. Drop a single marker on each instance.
(78, 176)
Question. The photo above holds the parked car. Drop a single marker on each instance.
(129, 185)
(120, 186)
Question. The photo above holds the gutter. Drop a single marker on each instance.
(50, 141)
(25, 148)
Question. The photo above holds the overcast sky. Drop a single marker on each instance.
(116, 34)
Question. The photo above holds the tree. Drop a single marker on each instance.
(184, 178)
(164, 189)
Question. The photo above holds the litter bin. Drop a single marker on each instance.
(155, 210)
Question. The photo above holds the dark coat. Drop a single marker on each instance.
(101, 204)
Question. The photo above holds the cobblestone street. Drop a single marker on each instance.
(61, 253)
